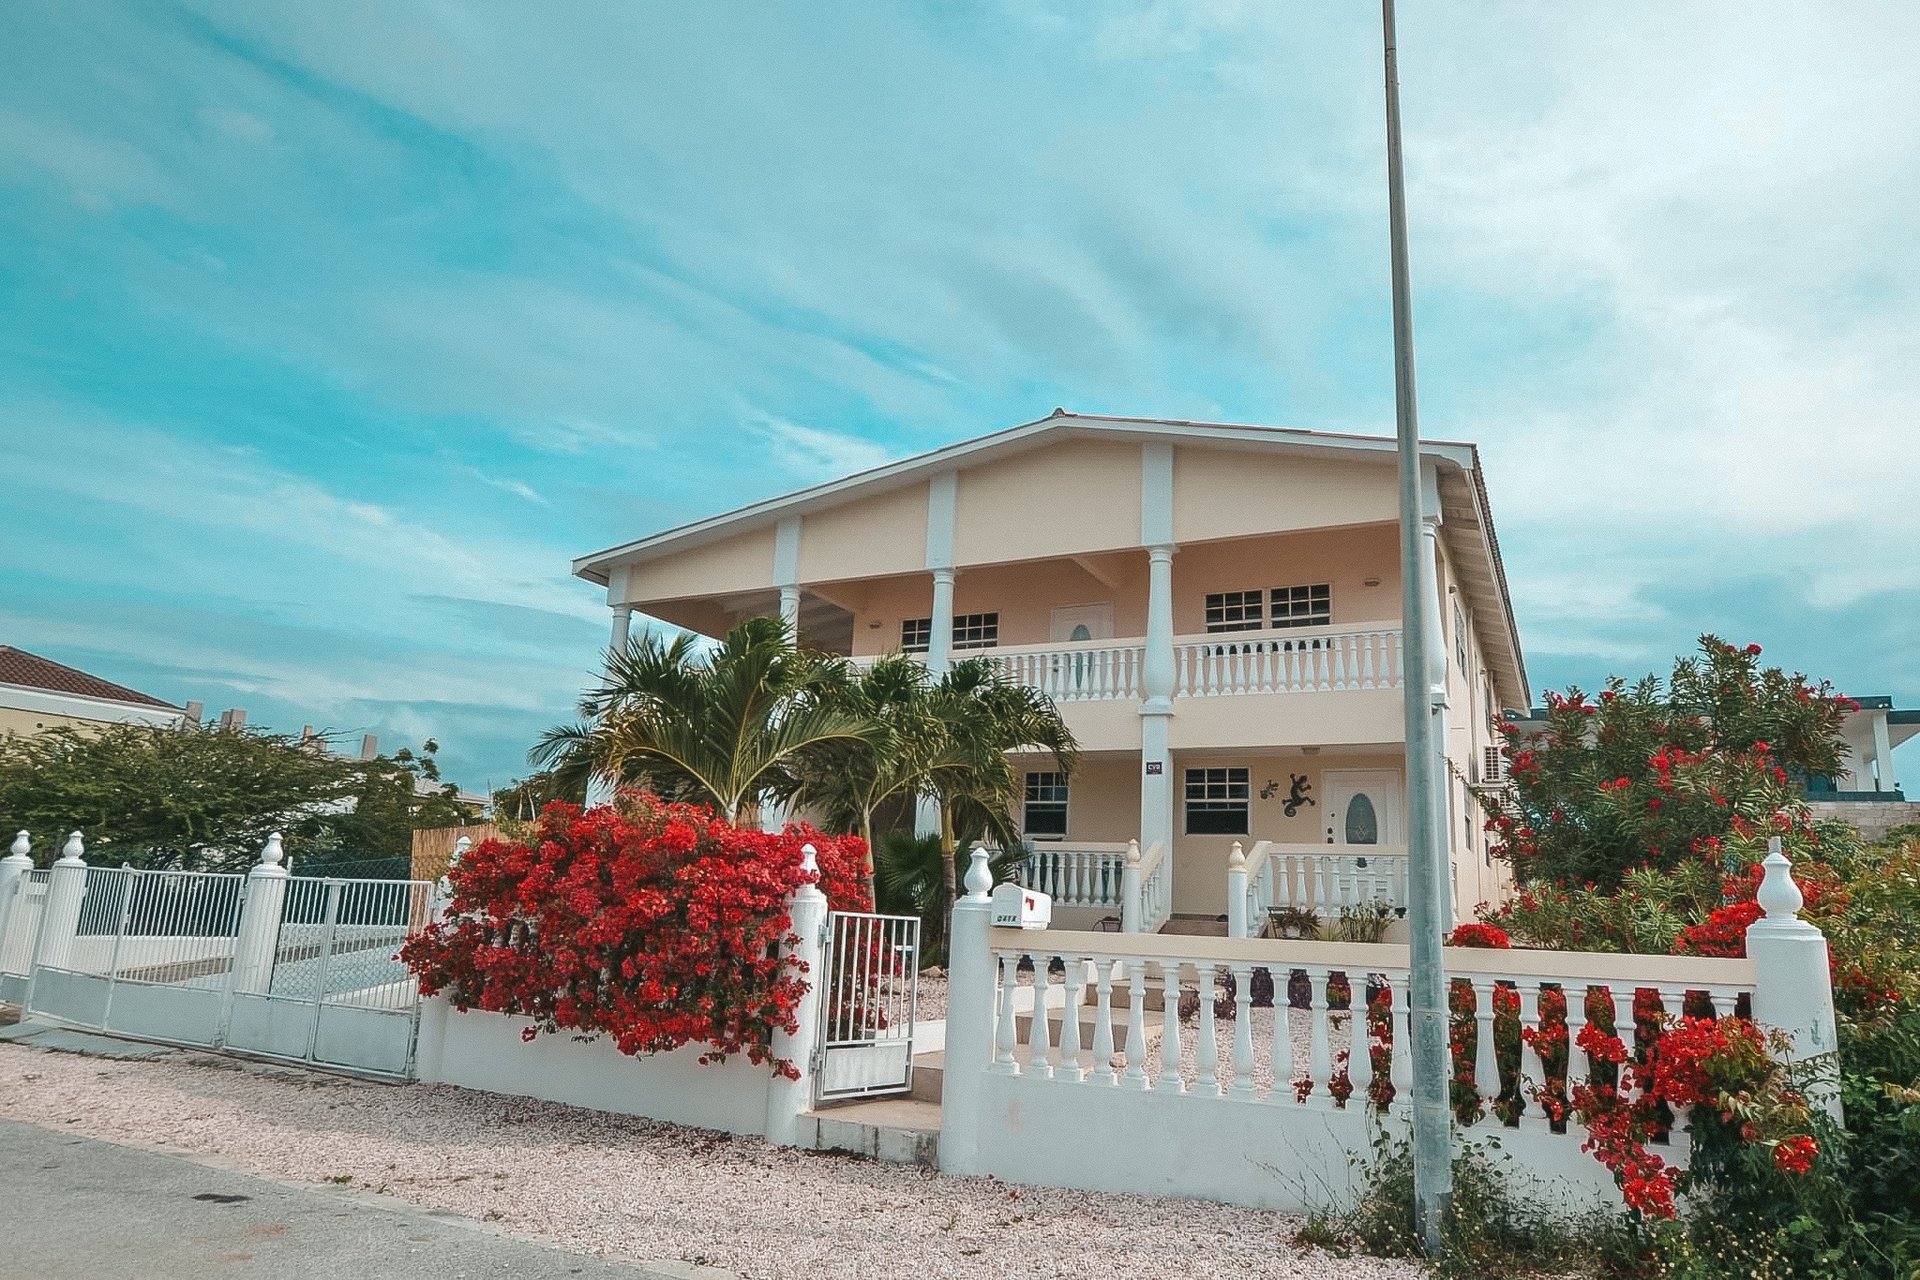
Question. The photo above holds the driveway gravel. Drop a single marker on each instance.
(633, 1189)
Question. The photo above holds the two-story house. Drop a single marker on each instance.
(1215, 608)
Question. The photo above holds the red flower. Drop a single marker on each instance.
(1795, 1155)
(1477, 934)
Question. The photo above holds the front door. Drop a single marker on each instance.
(1364, 806)
(1073, 622)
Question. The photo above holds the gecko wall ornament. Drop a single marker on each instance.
(1297, 794)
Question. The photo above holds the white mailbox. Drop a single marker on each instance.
(1017, 908)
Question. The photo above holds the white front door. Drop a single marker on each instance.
(1363, 806)
(1082, 622)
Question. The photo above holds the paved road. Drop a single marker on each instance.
(75, 1207)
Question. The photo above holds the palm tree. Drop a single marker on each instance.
(983, 717)
(723, 727)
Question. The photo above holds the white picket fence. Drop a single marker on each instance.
(1068, 1062)
(296, 968)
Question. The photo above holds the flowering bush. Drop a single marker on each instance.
(657, 924)
(1480, 934)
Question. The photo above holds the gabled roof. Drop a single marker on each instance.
(1467, 514)
(31, 671)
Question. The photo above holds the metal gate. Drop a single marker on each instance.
(871, 995)
(160, 955)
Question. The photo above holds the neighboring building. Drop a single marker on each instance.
(1868, 794)
(37, 693)
(1215, 608)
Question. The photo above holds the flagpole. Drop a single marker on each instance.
(1423, 675)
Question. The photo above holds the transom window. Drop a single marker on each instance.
(1218, 801)
(1236, 611)
(976, 630)
(1308, 606)
(1046, 806)
(916, 635)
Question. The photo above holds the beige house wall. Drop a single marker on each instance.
(743, 562)
(883, 534)
(1226, 493)
(1343, 558)
(25, 724)
(1079, 496)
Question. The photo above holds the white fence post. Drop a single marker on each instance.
(13, 868)
(1133, 913)
(788, 1100)
(970, 1014)
(66, 889)
(260, 914)
(1793, 988)
(1237, 892)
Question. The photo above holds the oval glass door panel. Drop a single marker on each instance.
(1080, 633)
(1363, 824)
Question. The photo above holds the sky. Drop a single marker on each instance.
(329, 334)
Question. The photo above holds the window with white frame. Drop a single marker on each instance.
(1308, 606)
(916, 635)
(1218, 801)
(1045, 813)
(1460, 636)
(1235, 611)
(976, 630)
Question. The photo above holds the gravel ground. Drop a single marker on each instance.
(635, 1189)
(930, 1002)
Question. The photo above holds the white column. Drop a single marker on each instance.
(970, 1014)
(1237, 892)
(260, 917)
(1793, 988)
(1156, 680)
(790, 611)
(66, 887)
(926, 816)
(622, 626)
(788, 1100)
(1882, 753)
(13, 870)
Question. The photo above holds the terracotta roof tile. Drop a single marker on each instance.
(17, 666)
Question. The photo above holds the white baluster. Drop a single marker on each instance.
(1243, 1031)
(1039, 1034)
(1103, 1072)
(1359, 1044)
(1319, 1049)
(1075, 981)
(1532, 1069)
(1724, 1002)
(1627, 1032)
(1402, 1060)
(1208, 1085)
(1486, 1058)
(1136, 1072)
(1004, 1040)
(1170, 1081)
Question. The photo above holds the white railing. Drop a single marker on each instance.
(1296, 661)
(1308, 1057)
(1091, 671)
(1323, 879)
(1076, 874)
(1249, 889)
(1154, 875)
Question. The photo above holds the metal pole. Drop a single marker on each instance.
(1425, 703)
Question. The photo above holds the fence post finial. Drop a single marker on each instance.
(1778, 893)
(810, 862)
(22, 846)
(74, 850)
(273, 853)
(1237, 921)
(979, 880)
(1133, 853)
(1237, 858)
(460, 848)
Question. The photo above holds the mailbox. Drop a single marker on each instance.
(1015, 907)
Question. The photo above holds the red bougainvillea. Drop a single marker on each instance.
(659, 925)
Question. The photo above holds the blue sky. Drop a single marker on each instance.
(329, 333)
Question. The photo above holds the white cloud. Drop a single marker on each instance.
(812, 452)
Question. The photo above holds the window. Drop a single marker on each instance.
(916, 635)
(1460, 637)
(1310, 606)
(1046, 808)
(1217, 802)
(976, 630)
(1235, 611)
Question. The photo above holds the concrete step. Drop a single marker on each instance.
(929, 1076)
(903, 1130)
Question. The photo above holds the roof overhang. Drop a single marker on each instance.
(76, 706)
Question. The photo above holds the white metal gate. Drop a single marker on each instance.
(869, 1000)
(156, 955)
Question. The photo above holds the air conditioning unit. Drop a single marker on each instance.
(1493, 767)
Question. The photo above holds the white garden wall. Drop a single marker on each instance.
(480, 1050)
